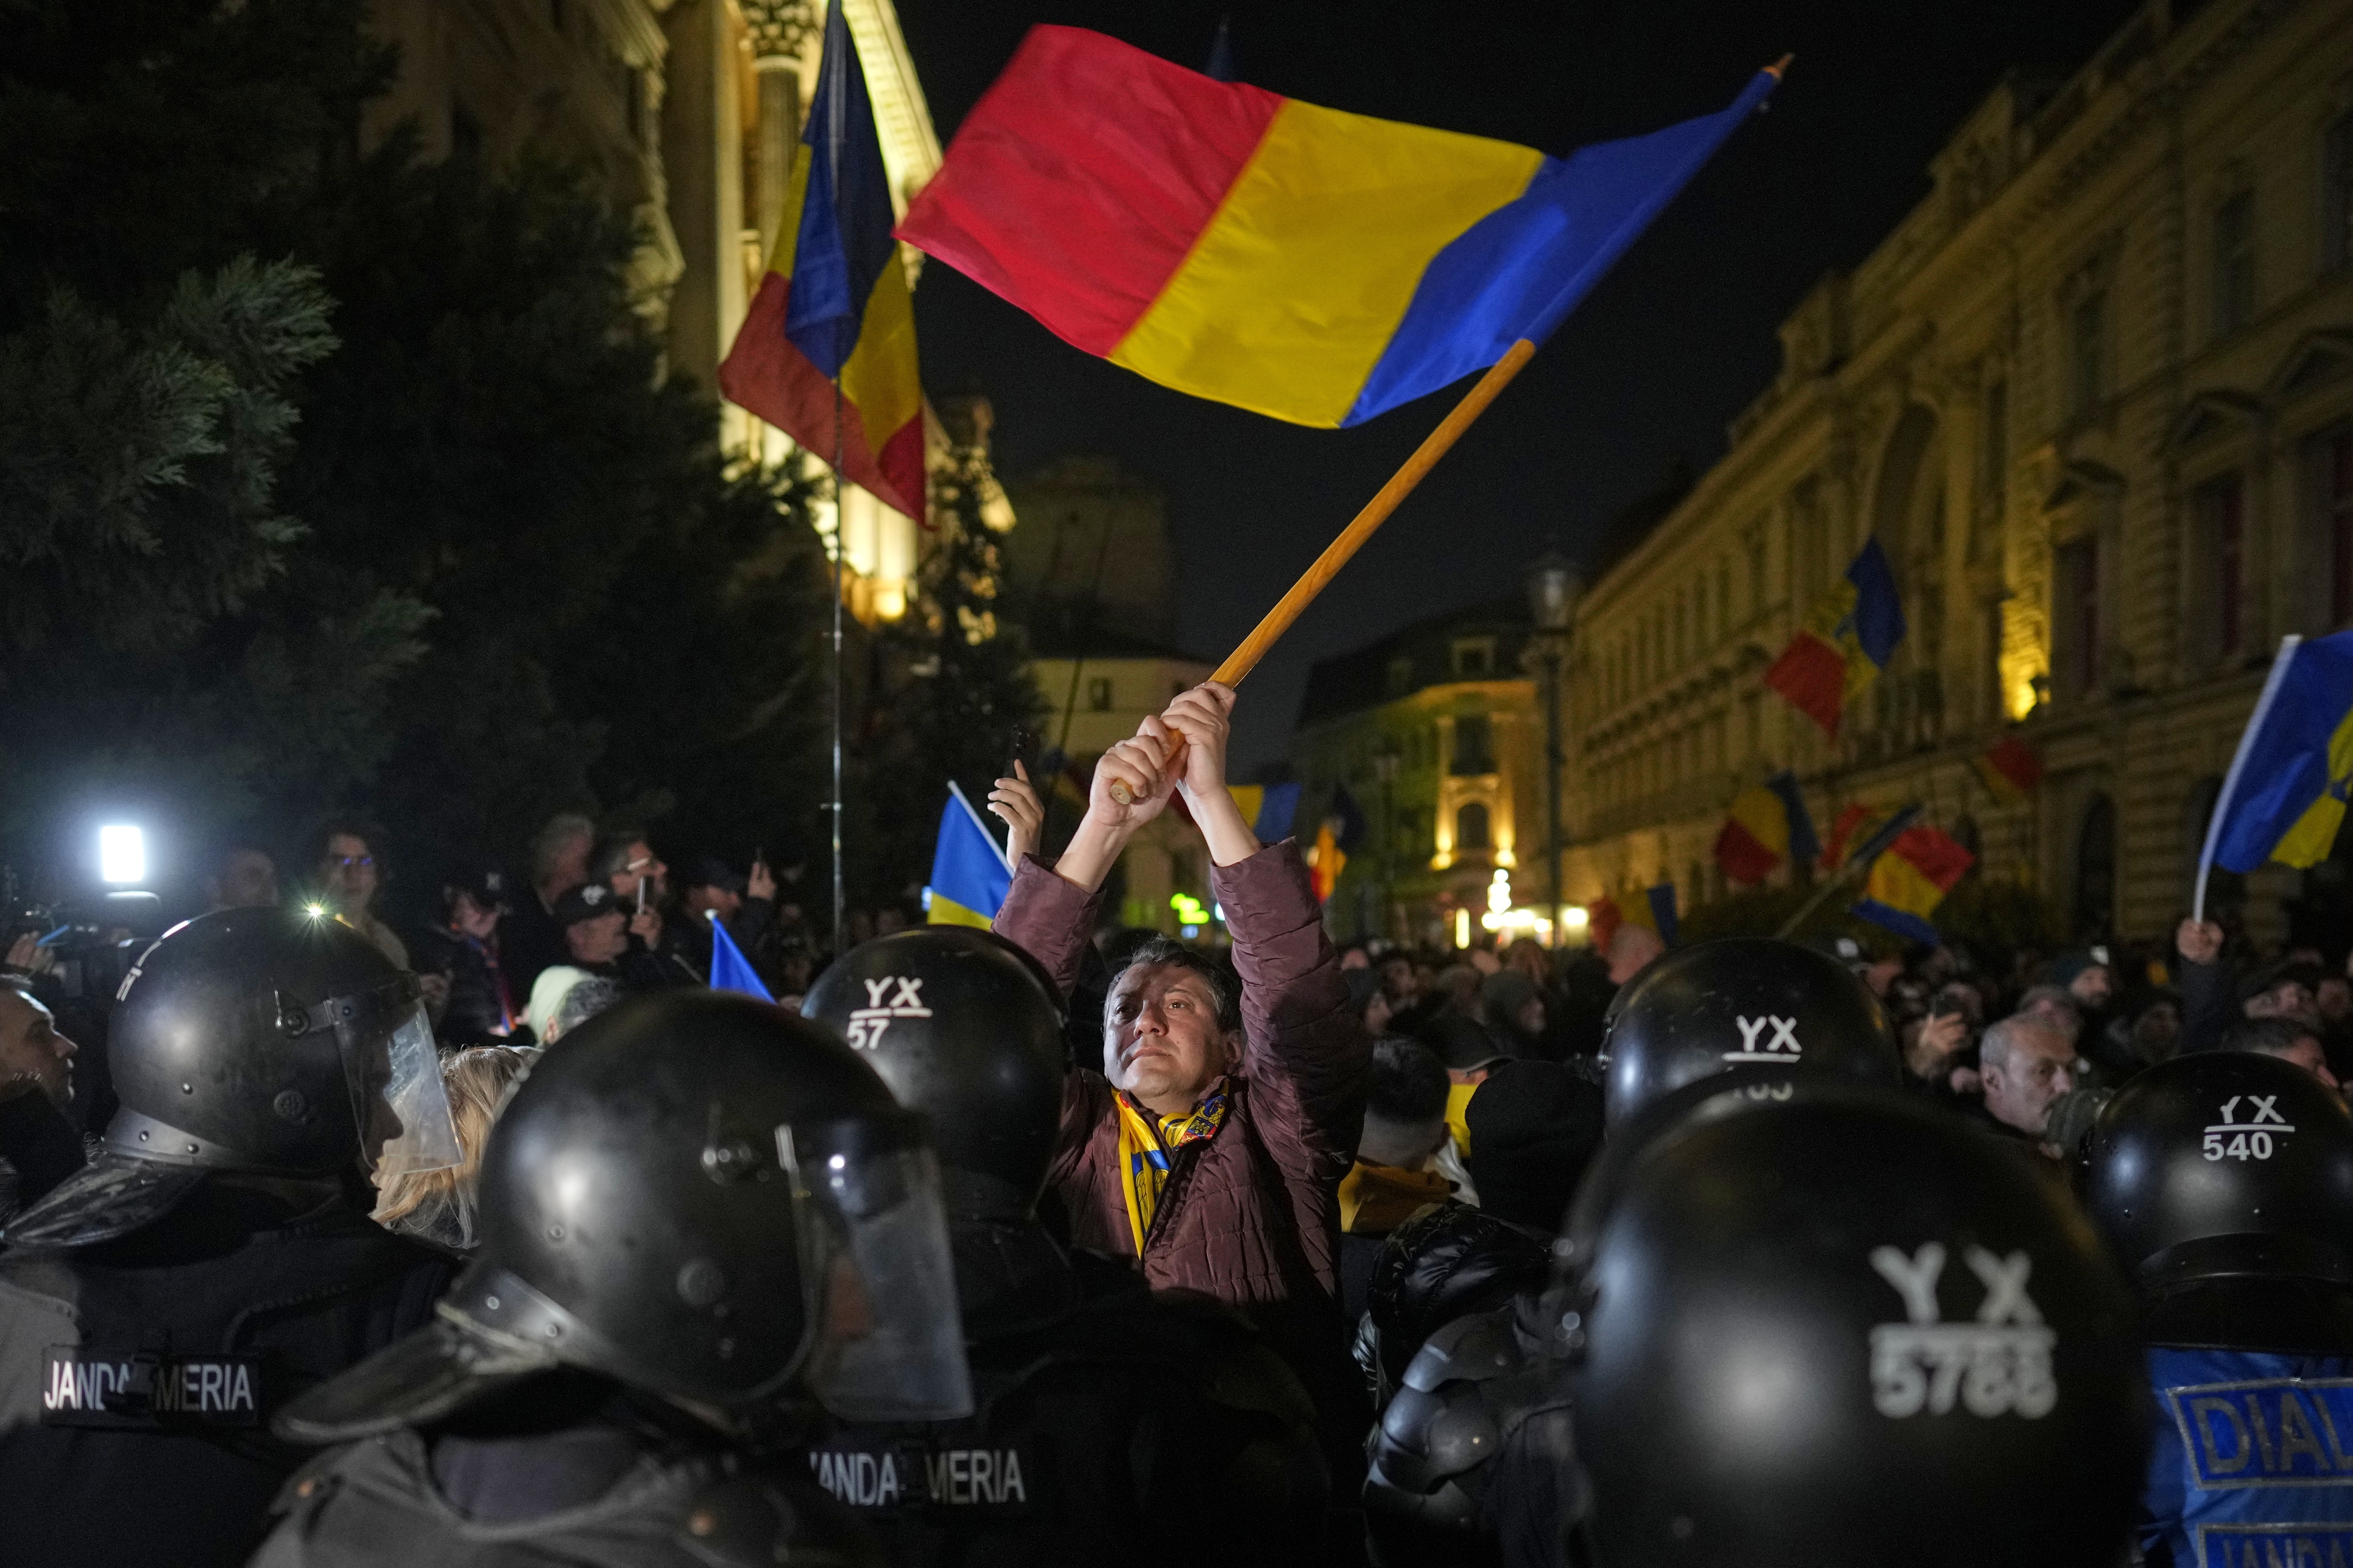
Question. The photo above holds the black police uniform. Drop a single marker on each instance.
(1109, 1424)
(567, 1470)
(1112, 1424)
(138, 1377)
(214, 1258)
(1474, 1459)
(682, 1208)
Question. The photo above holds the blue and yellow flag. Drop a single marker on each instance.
(2284, 798)
(833, 311)
(969, 874)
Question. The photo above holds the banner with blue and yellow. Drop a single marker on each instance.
(2285, 796)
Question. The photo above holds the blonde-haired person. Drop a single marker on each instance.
(438, 1206)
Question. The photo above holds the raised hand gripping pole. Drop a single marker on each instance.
(1312, 582)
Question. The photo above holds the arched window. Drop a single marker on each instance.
(1470, 826)
(2096, 869)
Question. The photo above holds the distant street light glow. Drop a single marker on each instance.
(122, 855)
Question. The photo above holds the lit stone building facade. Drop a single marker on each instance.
(1435, 734)
(686, 113)
(2094, 398)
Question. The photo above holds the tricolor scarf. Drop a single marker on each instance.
(1146, 1144)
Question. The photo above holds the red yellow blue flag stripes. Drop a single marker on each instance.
(2010, 769)
(1307, 264)
(1909, 880)
(834, 305)
(1848, 638)
(1768, 825)
(2285, 796)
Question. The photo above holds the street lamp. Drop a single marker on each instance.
(1554, 585)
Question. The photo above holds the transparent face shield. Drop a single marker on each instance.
(394, 1071)
(889, 1342)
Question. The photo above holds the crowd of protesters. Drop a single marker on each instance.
(1357, 1155)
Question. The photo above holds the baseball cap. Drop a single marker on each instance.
(585, 902)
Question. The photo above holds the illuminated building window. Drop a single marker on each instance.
(1473, 746)
(1471, 830)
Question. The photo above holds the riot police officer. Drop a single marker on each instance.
(1111, 1426)
(215, 1257)
(1839, 1327)
(1739, 1002)
(1471, 1458)
(2222, 1183)
(700, 1217)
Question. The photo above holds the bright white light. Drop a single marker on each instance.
(314, 909)
(122, 855)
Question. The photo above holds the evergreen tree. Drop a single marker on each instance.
(959, 703)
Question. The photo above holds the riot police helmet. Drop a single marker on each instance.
(1844, 1328)
(1739, 1002)
(962, 1026)
(266, 1041)
(701, 1196)
(2222, 1183)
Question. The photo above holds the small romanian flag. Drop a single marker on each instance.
(1269, 808)
(834, 305)
(1311, 265)
(969, 874)
(1768, 826)
(2009, 770)
(1909, 880)
(1651, 909)
(1846, 641)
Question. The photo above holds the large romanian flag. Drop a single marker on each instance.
(969, 875)
(1766, 825)
(834, 304)
(1847, 641)
(1312, 265)
(1909, 880)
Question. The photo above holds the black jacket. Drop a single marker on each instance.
(1114, 1426)
(236, 1301)
(1448, 1262)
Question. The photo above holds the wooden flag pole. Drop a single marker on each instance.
(1313, 581)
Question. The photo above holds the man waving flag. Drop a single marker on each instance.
(833, 326)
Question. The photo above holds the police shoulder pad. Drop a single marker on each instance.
(762, 1516)
(1470, 1349)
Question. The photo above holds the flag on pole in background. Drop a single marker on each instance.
(969, 874)
(730, 970)
(1325, 861)
(1768, 825)
(2285, 796)
(834, 304)
(1909, 880)
(1848, 638)
(1269, 808)
(1652, 909)
(1311, 265)
(1850, 828)
(2010, 769)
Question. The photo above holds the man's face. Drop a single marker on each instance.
(600, 939)
(642, 864)
(1160, 1035)
(2093, 987)
(33, 1055)
(348, 871)
(474, 918)
(247, 881)
(571, 866)
(2307, 1054)
(2288, 999)
(2042, 1067)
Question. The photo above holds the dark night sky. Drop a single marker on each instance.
(1649, 368)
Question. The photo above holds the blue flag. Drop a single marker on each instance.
(2285, 796)
(969, 874)
(730, 970)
